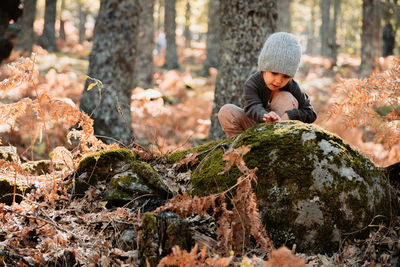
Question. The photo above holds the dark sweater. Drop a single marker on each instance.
(256, 100)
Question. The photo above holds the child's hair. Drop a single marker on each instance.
(281, 53)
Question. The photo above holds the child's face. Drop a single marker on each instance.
(275, 80)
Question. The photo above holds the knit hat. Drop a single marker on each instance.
(281, 53)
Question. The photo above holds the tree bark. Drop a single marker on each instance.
(145, 45)
(245, 25)
(26, 37)
(112, 61)
(284, 16)
(171, 57)
(370, 37)
(325, 6)
(186, 32)
(212, 37)
(48, 39)
(336, 11)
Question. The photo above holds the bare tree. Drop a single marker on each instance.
(370, 37)
(113, 61)
(145, 45)
(171, 57)
(62, 22)
(325, 6)
(26, 37)
(82, 22)
(48, 38)
(245, 25)
(311, 31)
(284, 16)
(212, 37)
(334, 46)
(186, 32)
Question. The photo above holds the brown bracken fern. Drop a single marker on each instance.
(35, 115)
(235, 226)
(373, 102)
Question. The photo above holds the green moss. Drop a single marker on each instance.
(177, 156)
(149, 241)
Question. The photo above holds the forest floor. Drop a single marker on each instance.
(49, 227)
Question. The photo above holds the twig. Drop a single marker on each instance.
(15, 256)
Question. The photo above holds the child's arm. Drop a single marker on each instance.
(305, 112)
(253, 100)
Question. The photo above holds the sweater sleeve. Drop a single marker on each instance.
(305, 112)
(253, 104)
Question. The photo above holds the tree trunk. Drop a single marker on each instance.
(284, 16)
(112, 61)
(336, 11)
(48, 39)
(82, 22)
(26, 37)
(171, 58)
(325, 6)
(212, 37)
(186, 32)
(145, 44)
(245, 25)
(370, 37)
(311, 31)
(62, 22)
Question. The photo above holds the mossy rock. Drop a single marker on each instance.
(101, 166)
(312, 187)
(40, 167)
(7, 190)
(102, 163)
(9, 153)
(141, 184)
(159, 233)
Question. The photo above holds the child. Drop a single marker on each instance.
(270, 94)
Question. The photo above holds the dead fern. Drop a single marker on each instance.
(37, 115)
(235, 226)
(195, 259)
(372, 102)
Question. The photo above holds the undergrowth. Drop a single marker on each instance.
(373, 103)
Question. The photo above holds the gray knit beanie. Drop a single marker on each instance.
(281, 53)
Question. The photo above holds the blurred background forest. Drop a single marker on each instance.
(168, 65)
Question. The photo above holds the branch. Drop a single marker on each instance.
(15, 256)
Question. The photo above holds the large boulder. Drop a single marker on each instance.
(313, 189)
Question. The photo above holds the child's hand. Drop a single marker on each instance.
(271, 116)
